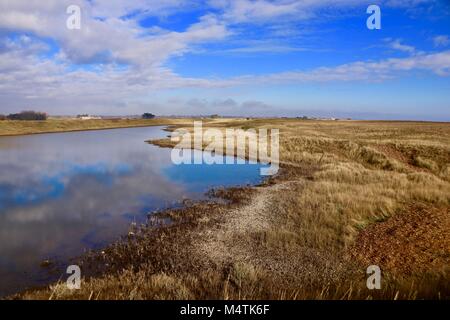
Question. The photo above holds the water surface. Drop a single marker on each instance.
(63, 193)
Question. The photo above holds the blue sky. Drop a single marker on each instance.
(242, 57)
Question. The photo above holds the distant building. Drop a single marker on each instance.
(88, 117)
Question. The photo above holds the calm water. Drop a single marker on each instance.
(63, 193)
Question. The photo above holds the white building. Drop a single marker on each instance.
(88, 117)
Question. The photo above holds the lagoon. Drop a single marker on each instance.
(64, 193)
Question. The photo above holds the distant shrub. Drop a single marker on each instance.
(2, 117)
(148, 115)
(28, 115)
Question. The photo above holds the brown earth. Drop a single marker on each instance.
(414, 241)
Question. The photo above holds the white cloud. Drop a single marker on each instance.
(264, 10)
(108, 8)
(108, 40)
(441, 41)
(437, 63)
(407, 3)
(252, 11)
(114, 40)
(26, 77)
(398, 45)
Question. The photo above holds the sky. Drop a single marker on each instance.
(236, 58)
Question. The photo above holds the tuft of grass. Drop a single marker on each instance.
(425, 163)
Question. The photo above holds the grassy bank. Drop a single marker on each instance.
(14, 127)
(349, 195)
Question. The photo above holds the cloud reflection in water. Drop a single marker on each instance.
(63, 193)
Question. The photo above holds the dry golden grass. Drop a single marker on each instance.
(15, 127)
(338, 179)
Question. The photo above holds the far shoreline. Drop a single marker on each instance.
(11, 128)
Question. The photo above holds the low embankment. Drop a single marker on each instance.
(17, 127)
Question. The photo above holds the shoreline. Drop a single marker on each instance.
(79, 130)
(217, 198)
(188, 250)
(33, 127)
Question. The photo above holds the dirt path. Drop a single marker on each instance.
(240, 240)
(229, 241)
